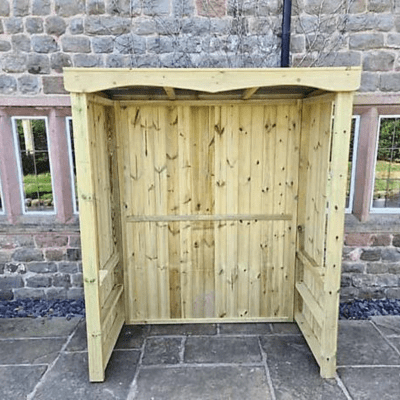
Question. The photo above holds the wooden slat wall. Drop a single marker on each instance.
(226, 160)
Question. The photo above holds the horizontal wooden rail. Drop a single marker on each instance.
(209, 217)
(112, 300)
(108, 267)
(311, 265)
(310, 301)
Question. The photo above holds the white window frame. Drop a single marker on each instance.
(379, 210)
(68, 121)
(356, 118)
(19, 164)
(3, 209)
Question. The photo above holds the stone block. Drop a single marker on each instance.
(118, 61)
(122, 8)
(390, 82)
(130, 44)
(68, 8)
(371, 254)
(357, 6)
(393, 40)
(21, 42)
(371, 293)
(391, 254)
(87, 60)
(353, 267)
(369, 82)
(377, 268)
(56, 294)
(366, 41)
(21, 8)
(369, 21)
(394, 268)
(397, 22)
(54, 254)
(14, 62)
(147, 61)
(53, 85)
(15, 268)
(75, 44)
(68, 267)
(34, 25)
(106, 25)
(4, 8)
(183, 8)
(41, 7)
(387, 280)
(348, 294)
(13, 25)
(51, 240)
(379, 6)
(28, 84)
(44, 44)
(378, 61)
(62, 280)
(38, 64)
(311, 25)
(75, 293)
(60, 60)
(42, 267)
(5, 256)
(8, 84)
(318, 7)
(382, 239)
(361, 281)
(29, 293)
(76, 26)
(38, 281)
(103, 44)
(77, 280)
(155, 7)
(5, 45)
(346, 280)
(6, 295)
(159, 44)
(8, 282)
(95, 7)
(392, 293)
(358, 239)
(27, 255)
(297, 44)
(396, 240)
(55, 25)
(74, 241)
(213, 8)
(145, 26)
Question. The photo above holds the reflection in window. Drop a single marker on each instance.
(351, 175)
(386, 196)
(72, 164)
(35, 163)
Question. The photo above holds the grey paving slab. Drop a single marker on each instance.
(395, 342)
(205, 383)
(162, 350)
(245, 329)
(132, 336)
(36, 327)
(78, 341)
(68, 379)
(30, 351)
(285, 328)
(359, 343)
(17, 382)
(372, 383)
(294, 371)
(222, 350)
(183, 329)
(388, 325)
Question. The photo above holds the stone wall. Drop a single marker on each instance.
(40, 37)
(44, 265)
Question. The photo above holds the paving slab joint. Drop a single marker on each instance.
(133, 387)
(397, 351)
(265, 364)
(343, 387)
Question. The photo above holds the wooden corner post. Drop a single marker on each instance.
(335, 229)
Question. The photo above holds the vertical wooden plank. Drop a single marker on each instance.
(185, 198)
(335, 227)
(232, 173)
(173, 209)
(85, 153)
(220, 132)
(161, 208)
(244, 194)
(268, 187)
(256, 207)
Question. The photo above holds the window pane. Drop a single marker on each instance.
(35, 164)
(72, 158)
(1, 199)
(387, 170)
(352, 161)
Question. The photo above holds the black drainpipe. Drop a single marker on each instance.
(287, 13)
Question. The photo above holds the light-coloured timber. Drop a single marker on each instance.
(220, 202)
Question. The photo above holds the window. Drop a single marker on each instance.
(31, 138)
(386, 188)
(1, 200)
(72, 162)
(355, 128)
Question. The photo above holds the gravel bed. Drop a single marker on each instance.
(357, 309)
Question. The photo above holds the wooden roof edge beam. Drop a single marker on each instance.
(170, 91)
(249, 92)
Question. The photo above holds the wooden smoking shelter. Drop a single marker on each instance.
(212, 195)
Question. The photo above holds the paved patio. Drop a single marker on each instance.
(47, 360)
